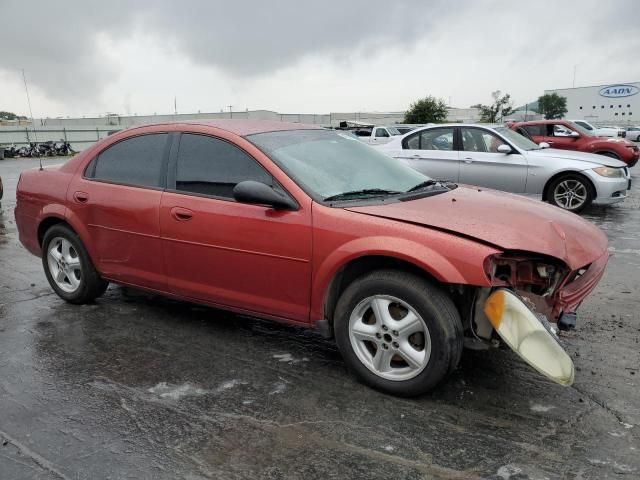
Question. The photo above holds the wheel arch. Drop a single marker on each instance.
(547, 185)
(608, 153)
(69, 219)
(356, 267)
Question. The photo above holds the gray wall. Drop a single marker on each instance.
(83, 132)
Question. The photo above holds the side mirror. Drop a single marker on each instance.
(506, 149)
(574, 134)
(544, 145)
(259, 193)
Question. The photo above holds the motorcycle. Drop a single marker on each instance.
(10, 151)
(64, 148)
(47, 149)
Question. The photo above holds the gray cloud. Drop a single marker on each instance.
(56, 42)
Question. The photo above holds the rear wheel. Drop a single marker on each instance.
(571, 192)
(397, 332)
(68, 267)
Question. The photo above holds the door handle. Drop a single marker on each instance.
(181, 214)
(415, 155)
(468, 160)
(81, 197)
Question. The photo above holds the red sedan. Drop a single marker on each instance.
(312, 227)
(568, 135)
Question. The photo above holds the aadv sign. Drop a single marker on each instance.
(616, 91)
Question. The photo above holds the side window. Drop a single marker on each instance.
(412, 142)
(561, 131)
(477, 140)
(432, 139)
(211, 166)
(135, 161)
(381, 132)
(536, 130)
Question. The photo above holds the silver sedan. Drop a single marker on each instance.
(499, 158)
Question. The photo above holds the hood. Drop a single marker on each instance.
(507, 221)
(591, 158)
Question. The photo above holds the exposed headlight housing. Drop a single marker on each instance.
(609, 172)
(521, 330)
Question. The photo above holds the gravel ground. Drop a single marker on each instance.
(138, 386)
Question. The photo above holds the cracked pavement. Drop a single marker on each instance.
(139, 386)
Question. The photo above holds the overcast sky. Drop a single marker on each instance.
(86, 58)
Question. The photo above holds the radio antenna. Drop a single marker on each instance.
(33, 125)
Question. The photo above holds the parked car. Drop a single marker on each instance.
(619, 131)
(633, 133)
(499, 158)
(610, 132)
(567, 135)
(312, 227)
(377, 135)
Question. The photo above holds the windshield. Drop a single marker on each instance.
(518, 140)
(326, 163)
(393, 131)
(580, 129)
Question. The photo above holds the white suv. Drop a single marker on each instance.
(612, 132)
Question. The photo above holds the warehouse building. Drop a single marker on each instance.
(616, 104)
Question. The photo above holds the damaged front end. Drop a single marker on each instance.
(530, 298)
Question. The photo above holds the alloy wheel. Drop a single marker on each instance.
(64, 264)
(570, 194)
(389, 337)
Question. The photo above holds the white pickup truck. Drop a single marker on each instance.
(376, 135)
(611, 132)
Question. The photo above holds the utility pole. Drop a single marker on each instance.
(175, 105)
(574, 76)
(230, 112)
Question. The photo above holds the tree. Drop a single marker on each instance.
(10, 116)
(426, 110)
(552, 106)
(500, 108)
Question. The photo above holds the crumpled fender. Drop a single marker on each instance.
(419, 254)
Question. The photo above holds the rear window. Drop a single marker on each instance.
(136, 161)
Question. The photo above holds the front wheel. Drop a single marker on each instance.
(571, 192)
(68, 267)
(398, 332)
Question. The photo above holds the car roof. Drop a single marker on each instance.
(243, 127)
(542, 122)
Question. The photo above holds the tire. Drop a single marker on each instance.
(610, 155)
(582, 190)
(68, 267)
(433, 339)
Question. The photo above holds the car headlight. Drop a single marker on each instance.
(524, 333)
(609, 171)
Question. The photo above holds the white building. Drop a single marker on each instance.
(617, 104)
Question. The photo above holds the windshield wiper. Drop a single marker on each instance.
(357, 193)
(420, 186)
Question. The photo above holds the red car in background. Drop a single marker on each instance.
(312, 227)
(567, 135)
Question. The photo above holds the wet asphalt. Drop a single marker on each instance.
(138, 386)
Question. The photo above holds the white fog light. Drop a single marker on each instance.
(523, 332)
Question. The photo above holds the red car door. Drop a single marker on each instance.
(117, 198)
(559, 136)
(250, 257)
